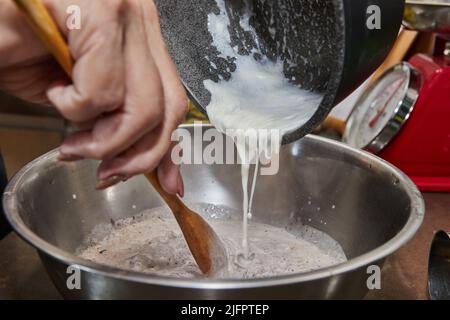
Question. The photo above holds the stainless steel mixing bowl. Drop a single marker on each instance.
(369, 207)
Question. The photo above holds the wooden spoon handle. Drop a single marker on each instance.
(46, 29)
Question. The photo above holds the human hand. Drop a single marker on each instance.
(126, 95)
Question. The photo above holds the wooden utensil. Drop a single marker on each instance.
(401, 47)
(46, 29)
(204, 244)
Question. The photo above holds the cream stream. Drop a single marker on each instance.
(258, 96)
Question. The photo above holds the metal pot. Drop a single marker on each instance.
(368, 206)
(329, 40)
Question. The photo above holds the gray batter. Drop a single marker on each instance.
(152, 243)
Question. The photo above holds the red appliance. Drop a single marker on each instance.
(405, 118)
(422, 147)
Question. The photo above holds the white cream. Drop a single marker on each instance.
(258, 96)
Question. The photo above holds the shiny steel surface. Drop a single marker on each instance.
(428, 15)
(439, 267)
(370, 208)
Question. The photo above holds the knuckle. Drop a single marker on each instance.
(105, 143)
(138, 5)
(98, 98)
(99, 153)
(143, 166)
(153, 115)
(76, 109)
(131, 4)
(117, 6)
(81, 101)
(153, 11)
(178, 106)
(109, 100)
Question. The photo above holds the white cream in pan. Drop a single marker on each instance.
(258, 96)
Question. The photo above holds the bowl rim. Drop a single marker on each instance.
(417, 212)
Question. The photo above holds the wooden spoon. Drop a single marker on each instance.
(204, 244)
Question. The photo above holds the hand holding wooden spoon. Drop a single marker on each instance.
(203, 242)
(125, 94)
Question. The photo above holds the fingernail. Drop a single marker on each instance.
(110, 167)
(109, 182)
(180, 186)
(69, 157)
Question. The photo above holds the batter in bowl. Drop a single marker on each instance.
(152, 243)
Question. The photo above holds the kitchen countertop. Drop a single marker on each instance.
(22, 276)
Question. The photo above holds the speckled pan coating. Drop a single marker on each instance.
(310, 38)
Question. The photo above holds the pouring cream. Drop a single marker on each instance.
(258, 98)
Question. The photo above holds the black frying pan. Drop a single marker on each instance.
(340, 51)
